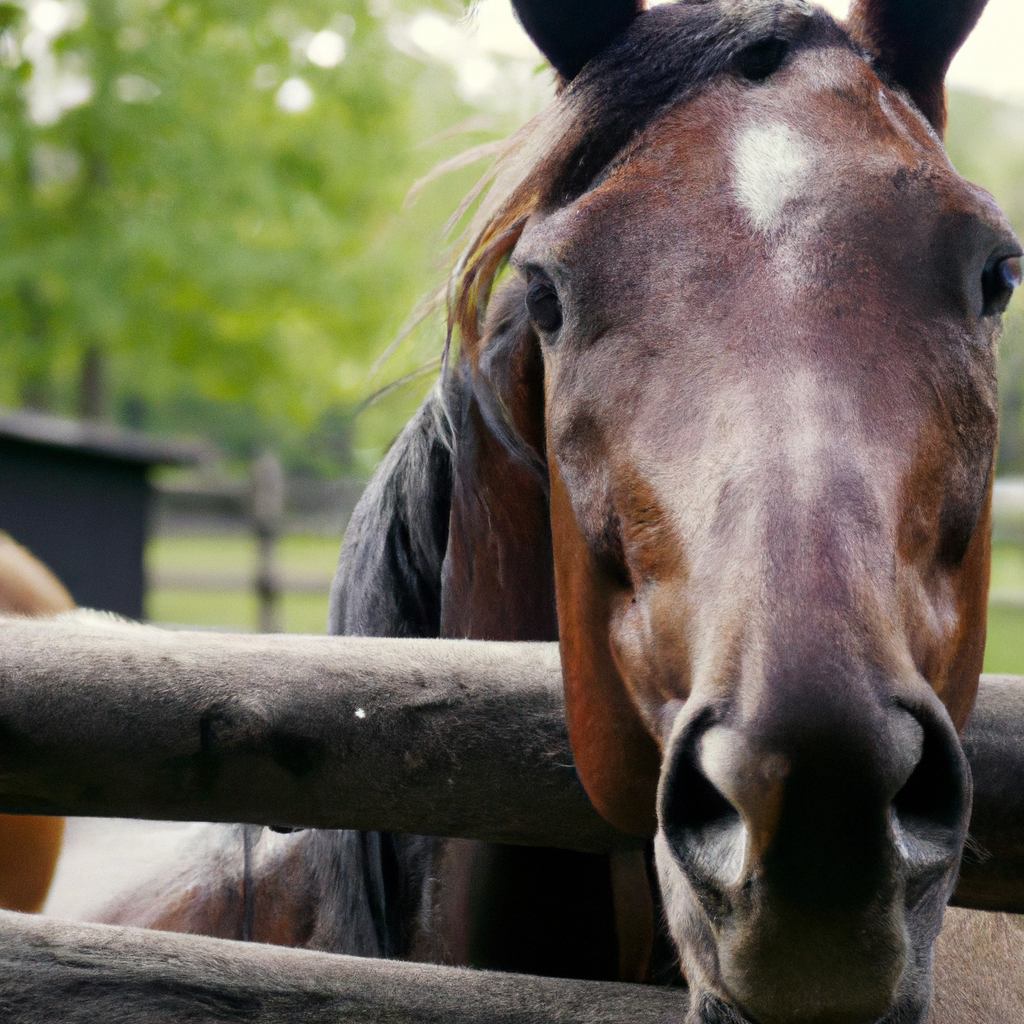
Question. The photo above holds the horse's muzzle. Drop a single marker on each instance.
(816, 851)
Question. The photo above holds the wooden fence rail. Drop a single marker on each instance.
(437, 737)
(453, 738)
(54, 972)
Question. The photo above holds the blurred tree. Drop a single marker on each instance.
(200, 214)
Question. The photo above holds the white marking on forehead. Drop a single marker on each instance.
(771, 163)
(796, 424)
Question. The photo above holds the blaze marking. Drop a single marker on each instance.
(771, 163)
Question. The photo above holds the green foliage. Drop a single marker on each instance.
(237, 267)
(986, 145)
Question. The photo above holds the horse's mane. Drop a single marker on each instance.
(667, 54)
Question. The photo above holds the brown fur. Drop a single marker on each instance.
(29, 844)
(670, 301)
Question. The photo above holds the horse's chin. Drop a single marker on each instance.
(706, 1008)
(902, 999)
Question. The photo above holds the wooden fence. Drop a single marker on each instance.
(265, 506)
(454, 738)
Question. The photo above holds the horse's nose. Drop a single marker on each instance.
(806, 840)
(816, 806)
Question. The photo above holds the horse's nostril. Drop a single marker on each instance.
(936, 791)
(703, 828)
(931, 809)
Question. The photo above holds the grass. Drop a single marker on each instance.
(213, 555)
(234, 610)
(315, 557)
(1008, 568)
(1004, 651)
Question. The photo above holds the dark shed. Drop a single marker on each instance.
(77, 495)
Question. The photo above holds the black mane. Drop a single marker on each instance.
(388, 581)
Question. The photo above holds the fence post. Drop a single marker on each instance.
(267, 514)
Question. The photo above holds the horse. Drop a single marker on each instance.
(29, 844)
(722, 422)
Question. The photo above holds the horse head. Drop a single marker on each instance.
(745, 361)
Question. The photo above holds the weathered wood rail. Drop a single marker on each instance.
(53, 972)
(452, 738)
(432, 737)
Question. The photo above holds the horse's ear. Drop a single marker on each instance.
(570, 32)
(914, 42)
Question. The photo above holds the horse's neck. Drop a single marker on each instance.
(498, 581)
(451, 537)
(498, 576)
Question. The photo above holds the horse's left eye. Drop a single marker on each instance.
(543, 305)
(998, 283)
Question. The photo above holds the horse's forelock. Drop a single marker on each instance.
(665, 55)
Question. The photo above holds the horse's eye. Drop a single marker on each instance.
(762, 59)
(542, 304)
(998, 283)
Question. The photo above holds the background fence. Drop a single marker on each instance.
(247, 553)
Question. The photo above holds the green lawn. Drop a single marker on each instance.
(1004, 651)
(210, 556)
(1008, 568)
(230, 552)
(233, 609)
(313, 559)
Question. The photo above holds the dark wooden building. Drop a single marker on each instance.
(77, 494)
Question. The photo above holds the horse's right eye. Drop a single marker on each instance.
(998, 283)
(542, 304)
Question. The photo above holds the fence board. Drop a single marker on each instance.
(450, 738)
(434, 737)
(54, 972)
(992, 871)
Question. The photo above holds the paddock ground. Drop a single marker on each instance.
(206, 580)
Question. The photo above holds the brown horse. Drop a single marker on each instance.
(29, 844)
(726, 431)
